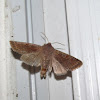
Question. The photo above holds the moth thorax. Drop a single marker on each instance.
(48, 49)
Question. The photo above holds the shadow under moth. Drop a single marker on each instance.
(45, 56)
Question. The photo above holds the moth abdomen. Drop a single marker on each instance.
(43, 72)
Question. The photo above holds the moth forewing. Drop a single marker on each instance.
(24, 48)
(68, 62)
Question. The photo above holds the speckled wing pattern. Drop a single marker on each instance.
(31, 53)
(63, 62)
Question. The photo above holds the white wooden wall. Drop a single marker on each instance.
(74, 23)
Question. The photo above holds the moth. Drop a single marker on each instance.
(47, 57)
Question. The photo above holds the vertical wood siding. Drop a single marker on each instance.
(7, 62)
(74, 23)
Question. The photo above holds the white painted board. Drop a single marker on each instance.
(7, 68)
(20, 34)
(74, 23)
(83, 37)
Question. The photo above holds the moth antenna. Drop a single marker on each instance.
(45, 36)
(60, 48)
(58, 43)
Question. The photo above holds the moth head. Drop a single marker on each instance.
(48, 44)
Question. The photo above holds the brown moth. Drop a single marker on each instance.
(46, 57)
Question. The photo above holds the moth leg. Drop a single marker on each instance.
(44, 76)
(41, 75)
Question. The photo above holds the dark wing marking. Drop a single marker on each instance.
(68, 62)
(24, 48)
